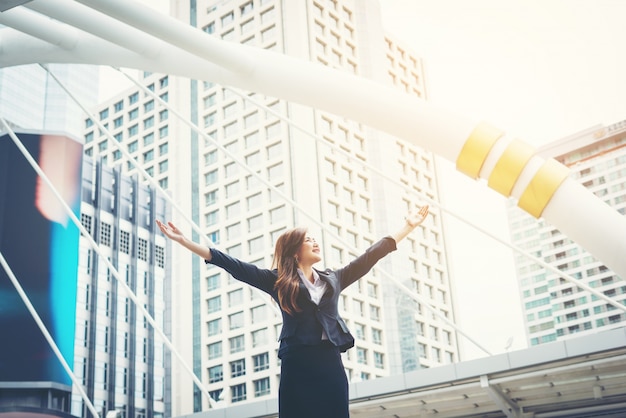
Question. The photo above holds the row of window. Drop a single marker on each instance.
(260, 362)
(132, 99)
(124, 241)
(239, 393)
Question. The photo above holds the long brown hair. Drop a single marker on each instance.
(288, 283)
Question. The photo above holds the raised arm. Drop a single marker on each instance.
(173, 233)
(413, 219)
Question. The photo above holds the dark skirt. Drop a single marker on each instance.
(313, 383)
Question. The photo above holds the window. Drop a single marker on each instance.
(252, 139)
(142, 249)
(148, 156)
(148, 123)
(214, 327)
(216, 374)
(235, 320)
(215, 350)
(272, 130)
(379, 360)
(231, 129)
(227, 19)
(104, 114)
(255, 245)
(262, 387)
(246, 8)
(211, 218)
(231, 190)
(259, 337)
(359, 331)
(258, 314)
(117, 107)
(159, 255)
(237, 344)
(214, 304)
(374, 313)
(210, 28)
(85, 220)
(361, 355)
(133, 146)
(238, 393)
(133, 98)
(261, 362)
(377, 336)
(209, 119)
(125, 242)
(213, 282)
(105, 234)
(210, 198)
(277, 215)
(251, 120)
(237, 368)
(254, 202)
(268, 15)
(133, 130)
(230, 110)
(210, 177)
(235, 298)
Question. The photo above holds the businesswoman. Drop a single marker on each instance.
(313, 382)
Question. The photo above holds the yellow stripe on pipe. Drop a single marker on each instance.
(476, 149)
(542, 187)
(510, 166)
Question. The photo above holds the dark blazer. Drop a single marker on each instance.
(305, 327)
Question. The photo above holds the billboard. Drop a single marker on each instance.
(40, 243)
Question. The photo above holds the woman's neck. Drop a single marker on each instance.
(307, 271)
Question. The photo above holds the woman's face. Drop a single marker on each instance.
(309, 252)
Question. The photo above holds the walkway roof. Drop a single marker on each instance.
(579, 377)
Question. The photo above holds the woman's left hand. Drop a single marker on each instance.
(416, 217)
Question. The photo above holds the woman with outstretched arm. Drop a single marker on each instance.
(313, 382)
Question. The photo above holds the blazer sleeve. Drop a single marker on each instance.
(360, 266)
(249, 273)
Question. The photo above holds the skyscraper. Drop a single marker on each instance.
(555, 308)
(119, 357)
(261, 165)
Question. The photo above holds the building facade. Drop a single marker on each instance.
(555, 308)
(257, 166)
(118, 355)
(30, 98)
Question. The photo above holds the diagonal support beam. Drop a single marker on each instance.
(508, 407)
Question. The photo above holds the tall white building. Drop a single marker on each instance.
(556, 308)
(250, 175)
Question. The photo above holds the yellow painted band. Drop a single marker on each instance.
(476, 149)
(542, 187)
(510, 166)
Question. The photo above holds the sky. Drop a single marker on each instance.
(537, 69)
(540, 70)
